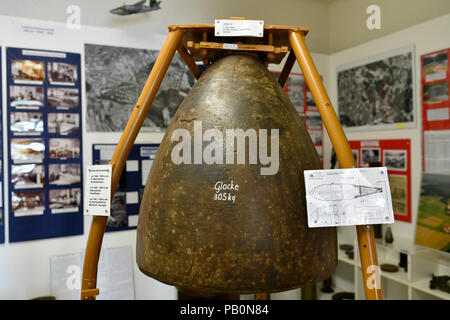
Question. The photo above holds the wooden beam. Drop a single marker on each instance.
(287, 69)
(189, 61)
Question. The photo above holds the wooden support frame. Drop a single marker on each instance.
(291, 36)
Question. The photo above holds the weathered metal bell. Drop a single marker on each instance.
(213, 226)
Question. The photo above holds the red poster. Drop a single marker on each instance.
(435, 87)
(396, 156)
(435, 79)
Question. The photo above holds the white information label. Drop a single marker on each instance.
(230, 46)
(239, 28)
(345, 197)
(438, 114)
(435, 76)
(97, 197)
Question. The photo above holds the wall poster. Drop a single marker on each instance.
(115, 77)
(433, 220)
(45, 143)
(127, 198)
(378, 92)
(436, 112)
(302, 99)
(395, 155)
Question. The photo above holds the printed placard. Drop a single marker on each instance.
(345, 197)
(97, 197)
(238, 28)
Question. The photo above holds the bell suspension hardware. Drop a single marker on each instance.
(198, 43)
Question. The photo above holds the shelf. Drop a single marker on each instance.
(434, 255)
(399, 276)
(424, 285)
(399, 245)
(400, 285)
(343, 258)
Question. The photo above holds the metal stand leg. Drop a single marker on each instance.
(366, 239)
(94, 243)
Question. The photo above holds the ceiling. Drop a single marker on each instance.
(335, 24)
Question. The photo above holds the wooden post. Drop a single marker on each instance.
(366, 239)
(140, 111)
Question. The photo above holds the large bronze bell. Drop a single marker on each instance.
(255, 238)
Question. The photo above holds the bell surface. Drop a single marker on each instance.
(212, 221)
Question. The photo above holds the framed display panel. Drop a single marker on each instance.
(302, 99)
(433, 217)
(115, 77)
(395, 155)
(378, 92)
(127, 198)
(44, 130)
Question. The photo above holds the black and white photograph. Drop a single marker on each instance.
(26, 97)
(64, 200)
(60, 73)
(309, 99)
(28, 71)
(115, 77)
(63, 148)
(118, 217)
(64, 173)
(297, 97)
(435, 92)
(435, 66)
(395, 159)
(27, 150)
(370, 155)
(63, 98)
(377, 93)
(29, 176)
(313, 120)
(28, 203)
(63, 123)
(26, 123)
(296, 82)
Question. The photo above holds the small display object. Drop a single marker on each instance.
(388, 236)
(440, 282)
(327, 286)
(45, 144)
(395, 155)
(127, 199)
(389, 267)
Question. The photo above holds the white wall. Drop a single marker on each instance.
(25, 266)
(426, 37)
